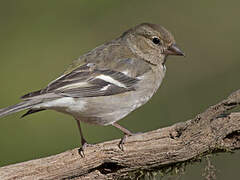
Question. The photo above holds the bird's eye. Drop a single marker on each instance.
(156, 40)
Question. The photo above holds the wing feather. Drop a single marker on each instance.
(89, 80)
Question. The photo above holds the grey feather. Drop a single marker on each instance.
(96, 86)
(16, 108)
(93, 87)
(31, 111)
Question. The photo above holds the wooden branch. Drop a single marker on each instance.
(210, 131)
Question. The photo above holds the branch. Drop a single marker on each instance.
(209, 132)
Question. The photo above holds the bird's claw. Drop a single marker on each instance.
(124, 138)
(84, 146)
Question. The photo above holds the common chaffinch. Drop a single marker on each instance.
(110, 81)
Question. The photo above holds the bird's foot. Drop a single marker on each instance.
(124, 138)
(84, 146)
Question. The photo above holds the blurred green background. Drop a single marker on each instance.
(38, 39)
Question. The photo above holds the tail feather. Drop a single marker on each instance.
(16, 108)
(31, 111)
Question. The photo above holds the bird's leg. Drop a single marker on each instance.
(83, 141)
(126, 134)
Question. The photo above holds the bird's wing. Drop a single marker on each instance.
(90, 80)
(87, 81)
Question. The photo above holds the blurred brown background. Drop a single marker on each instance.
(38, 39)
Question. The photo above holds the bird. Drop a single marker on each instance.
(107, 83)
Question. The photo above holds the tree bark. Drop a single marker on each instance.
(214, 130)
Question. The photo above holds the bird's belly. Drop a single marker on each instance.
(102, 110)
(109, 109)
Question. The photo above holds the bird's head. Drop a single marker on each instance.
(151, 42)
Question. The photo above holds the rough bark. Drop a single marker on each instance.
(215, 130)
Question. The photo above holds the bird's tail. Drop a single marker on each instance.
(16, 108)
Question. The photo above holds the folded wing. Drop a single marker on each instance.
(89, 80)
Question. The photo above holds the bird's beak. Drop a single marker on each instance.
(174, 50)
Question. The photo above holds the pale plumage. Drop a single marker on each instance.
(106, 84)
